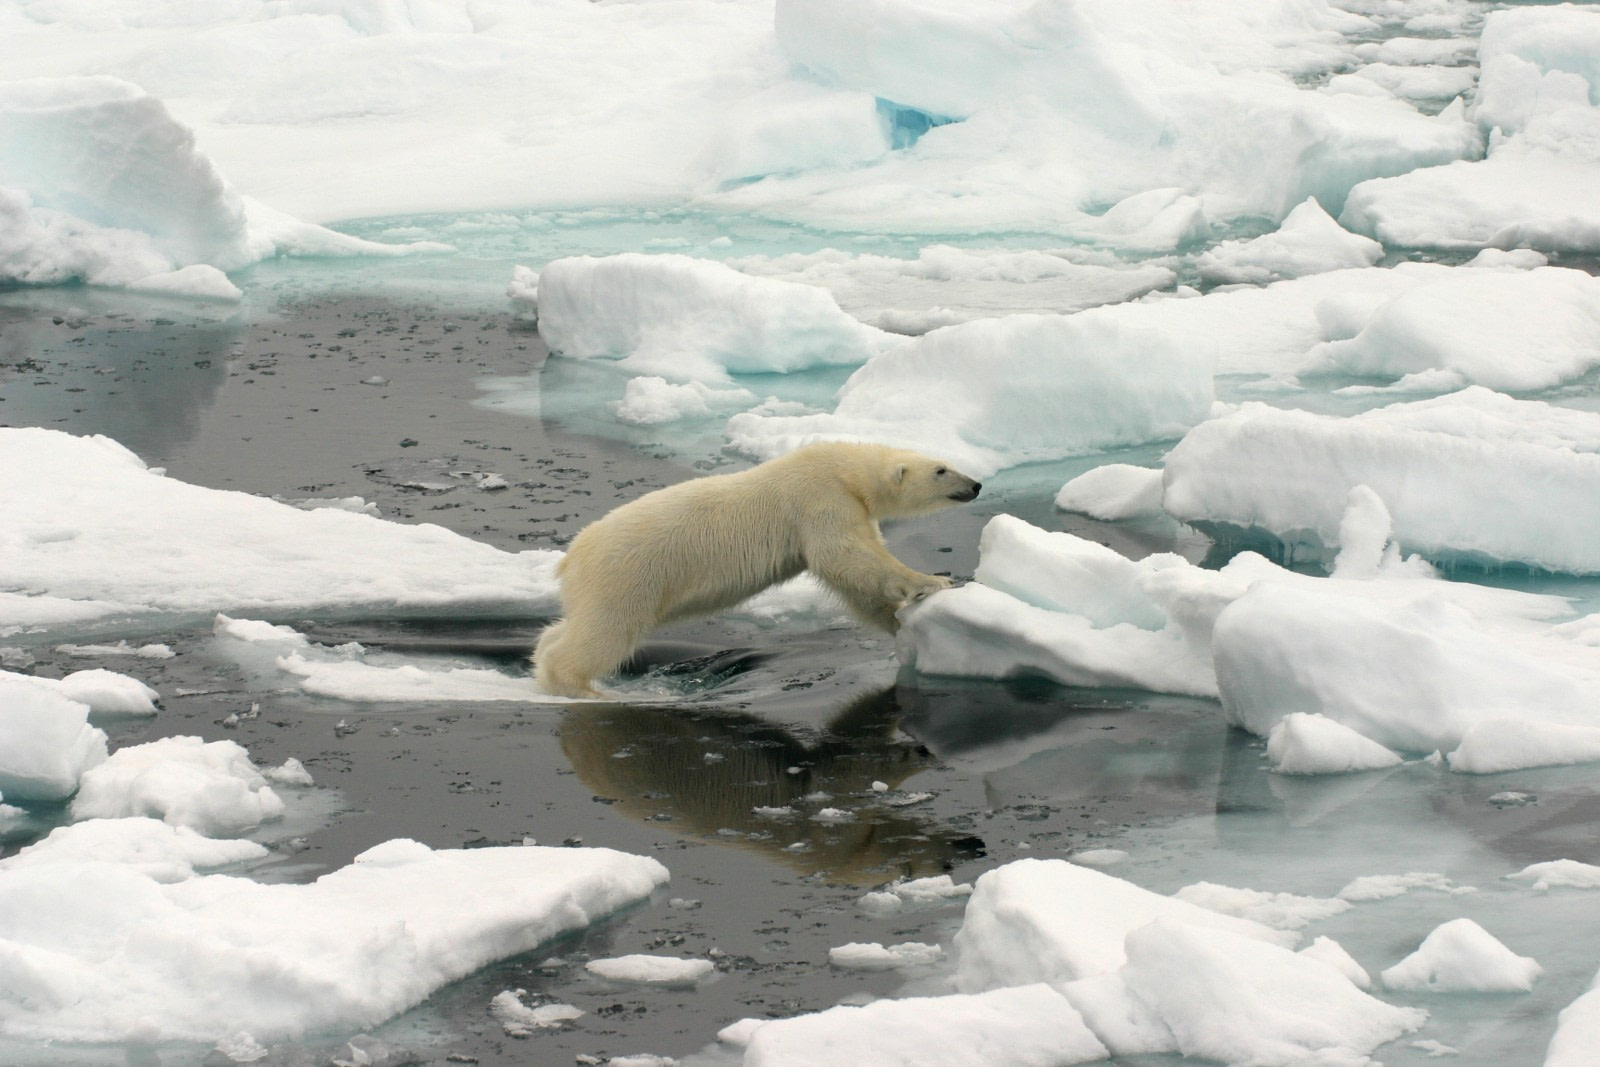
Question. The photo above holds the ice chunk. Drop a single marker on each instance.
(158, 217)
(1577, 1031)
(1473, 475)
(871, 956)
(102, 691)
(687, 319)
(1281, 911)
(1559, 873)
(1523, 331)
(128, 540)
(159, 850)
(212, 787)
(652, 400)
(1387, 886)
(651, 970)
(1054, 921)
(519, 1020)
(108, 954)
(1308, 241)
(1511, 744)
(1211, 994)
(1030, 1024)
(46, 742)
(1462, 957)
(997, 392)
(1303, 743)
(1113, 491)
(1327, 950)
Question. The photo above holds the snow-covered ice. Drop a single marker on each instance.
(646, 970)
(46, 742)
(872, 956)
(104, 951)
(1462, 957)
(130, 542)
(211, 787)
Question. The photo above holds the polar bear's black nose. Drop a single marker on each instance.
(969, 493)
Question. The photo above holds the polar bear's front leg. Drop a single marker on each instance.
(872, 582)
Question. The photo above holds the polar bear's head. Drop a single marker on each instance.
(918, 484)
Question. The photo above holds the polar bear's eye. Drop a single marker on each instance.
(941, 470)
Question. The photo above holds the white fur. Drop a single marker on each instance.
(704, 545)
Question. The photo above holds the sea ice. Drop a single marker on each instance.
(1473, 475)
(129, 541)
(1025, 1026)
(872, 956)
(105, 692)
(46, 742)
(993, 393)
(1307, 242)
(1577, 1031)
(1304, 743)
(652, 970)
(1462, 957)
(1281, 911)
(211, 787)
(686, 319)
(1566, 874)
(107, 953)
(1113, 491)
(1054, 921)
(1327, 950)
(159, 850)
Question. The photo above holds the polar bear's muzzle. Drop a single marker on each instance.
(967, 492)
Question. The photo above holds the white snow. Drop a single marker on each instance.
(650, 400)
(686, 319)
(212, 788)
(1371, 887)
(642, 969)
(104, 692)
(102, 951)
(1281, 911)
(159, 850)
(1474, 475)
(1027, 1026)
(129, 541)
(1462, 957)
(872, 956)
(1577, 1031)
(1327, 950)
(519, 1020)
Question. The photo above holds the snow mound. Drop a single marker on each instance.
(107, 953)
(1327, 950)
(1567, 874)
(1475, 476)
(128, 541)
(1462, 957)
(103, 692)
(687, 319)
(994, 393)
(651, 970)
(1113, 491)
(211, 788)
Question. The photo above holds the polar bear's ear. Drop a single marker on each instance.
(900, 472)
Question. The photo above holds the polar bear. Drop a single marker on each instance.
(703, 545)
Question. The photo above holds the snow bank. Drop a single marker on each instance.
(1539, 96)
(691, 319)
(1027, 1026)
(997, 392)
(99, 183)
(1577, 1031)
(1462, 957)
(1054, 921)
(102, 951)
(1308, 242)
(211, 788)
(46, 742)
(128, 541)
(1473, 476)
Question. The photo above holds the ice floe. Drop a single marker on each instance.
(1462, 957)
(128, 541)
(103, 950)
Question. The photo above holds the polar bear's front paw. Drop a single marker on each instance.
(922, 588)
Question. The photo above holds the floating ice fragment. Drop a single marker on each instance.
(1462, 957)
(1327, 950)
(210, 787)
(1383, 886)
(1113, 492)
(1566, 874)
(520, 1020)
(871, 956)
(1303, 743)
(1281, 911)
(1099, 857)
(642, 969)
